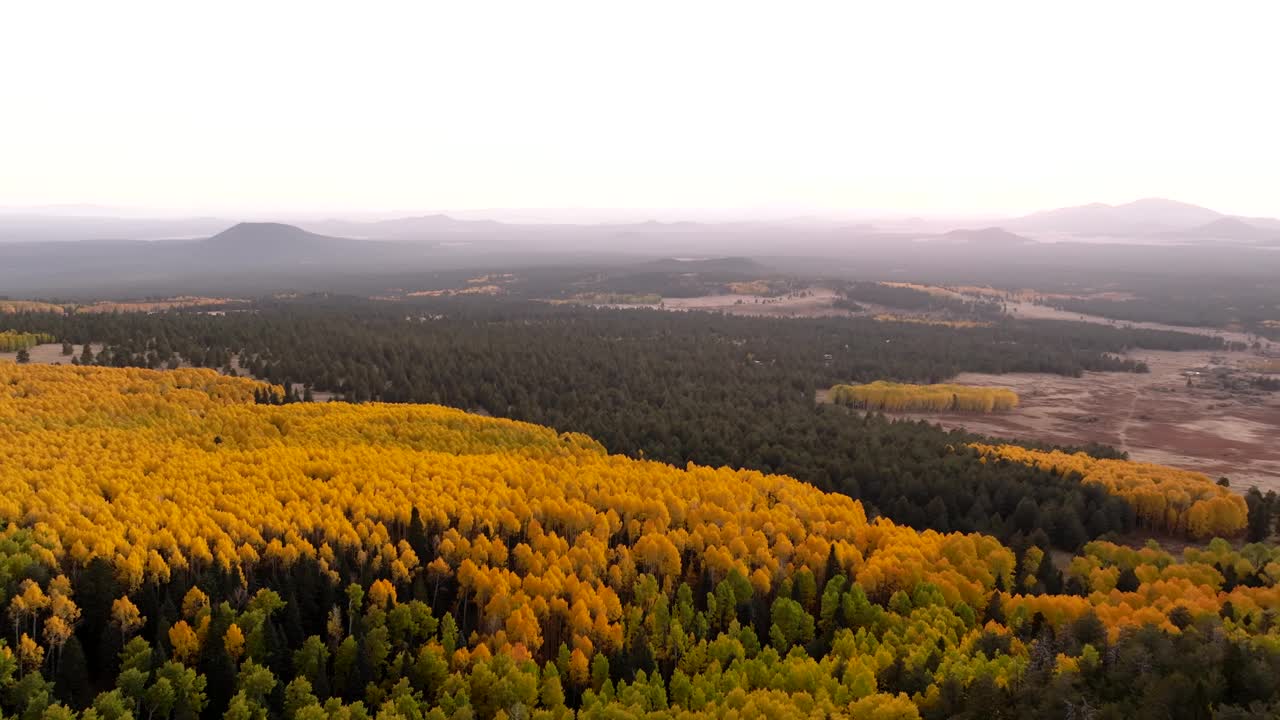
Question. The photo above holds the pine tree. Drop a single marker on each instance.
(73, 685)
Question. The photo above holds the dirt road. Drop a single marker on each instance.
(1031, 311)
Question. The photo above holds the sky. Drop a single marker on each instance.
(939, 107)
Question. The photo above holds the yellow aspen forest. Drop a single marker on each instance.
(420, 562)
(1169, 500)
(11, 340)
(938, 322)
(905, 397)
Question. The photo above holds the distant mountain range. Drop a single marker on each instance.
(246, 256)
(1231, 229)
(992, 236)
(1150, 218)
(1138, 217)
(1167, 219)
(278, 244)
(126, 256)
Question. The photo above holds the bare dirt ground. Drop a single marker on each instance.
(809, 303)
(48, 354)
(1031, 311)
(1153, 416)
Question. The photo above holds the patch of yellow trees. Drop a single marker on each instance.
(938, 322)
(11, 340)
(905, 397)
(1166, 499)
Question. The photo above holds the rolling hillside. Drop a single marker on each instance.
(241, 556)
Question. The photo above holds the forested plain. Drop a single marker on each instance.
(676, 387)
(1249, 305)
(1254, 313)
(650, 593)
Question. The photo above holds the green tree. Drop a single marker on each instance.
(297, 695)
(552, 693)
(188, 688)
(112, 705)
(791, 625)
(73, 685)
(310, 662)
(256, 682)
(344, 664)
(160, 698)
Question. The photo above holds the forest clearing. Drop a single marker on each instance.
(1155, 416)
(809, 302)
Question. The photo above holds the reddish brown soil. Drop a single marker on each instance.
(1155, 417)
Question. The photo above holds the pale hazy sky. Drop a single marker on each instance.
(907, 106)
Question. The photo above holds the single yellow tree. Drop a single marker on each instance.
(234, 641)
(185, 643)
(30, 653)
(126, 617)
